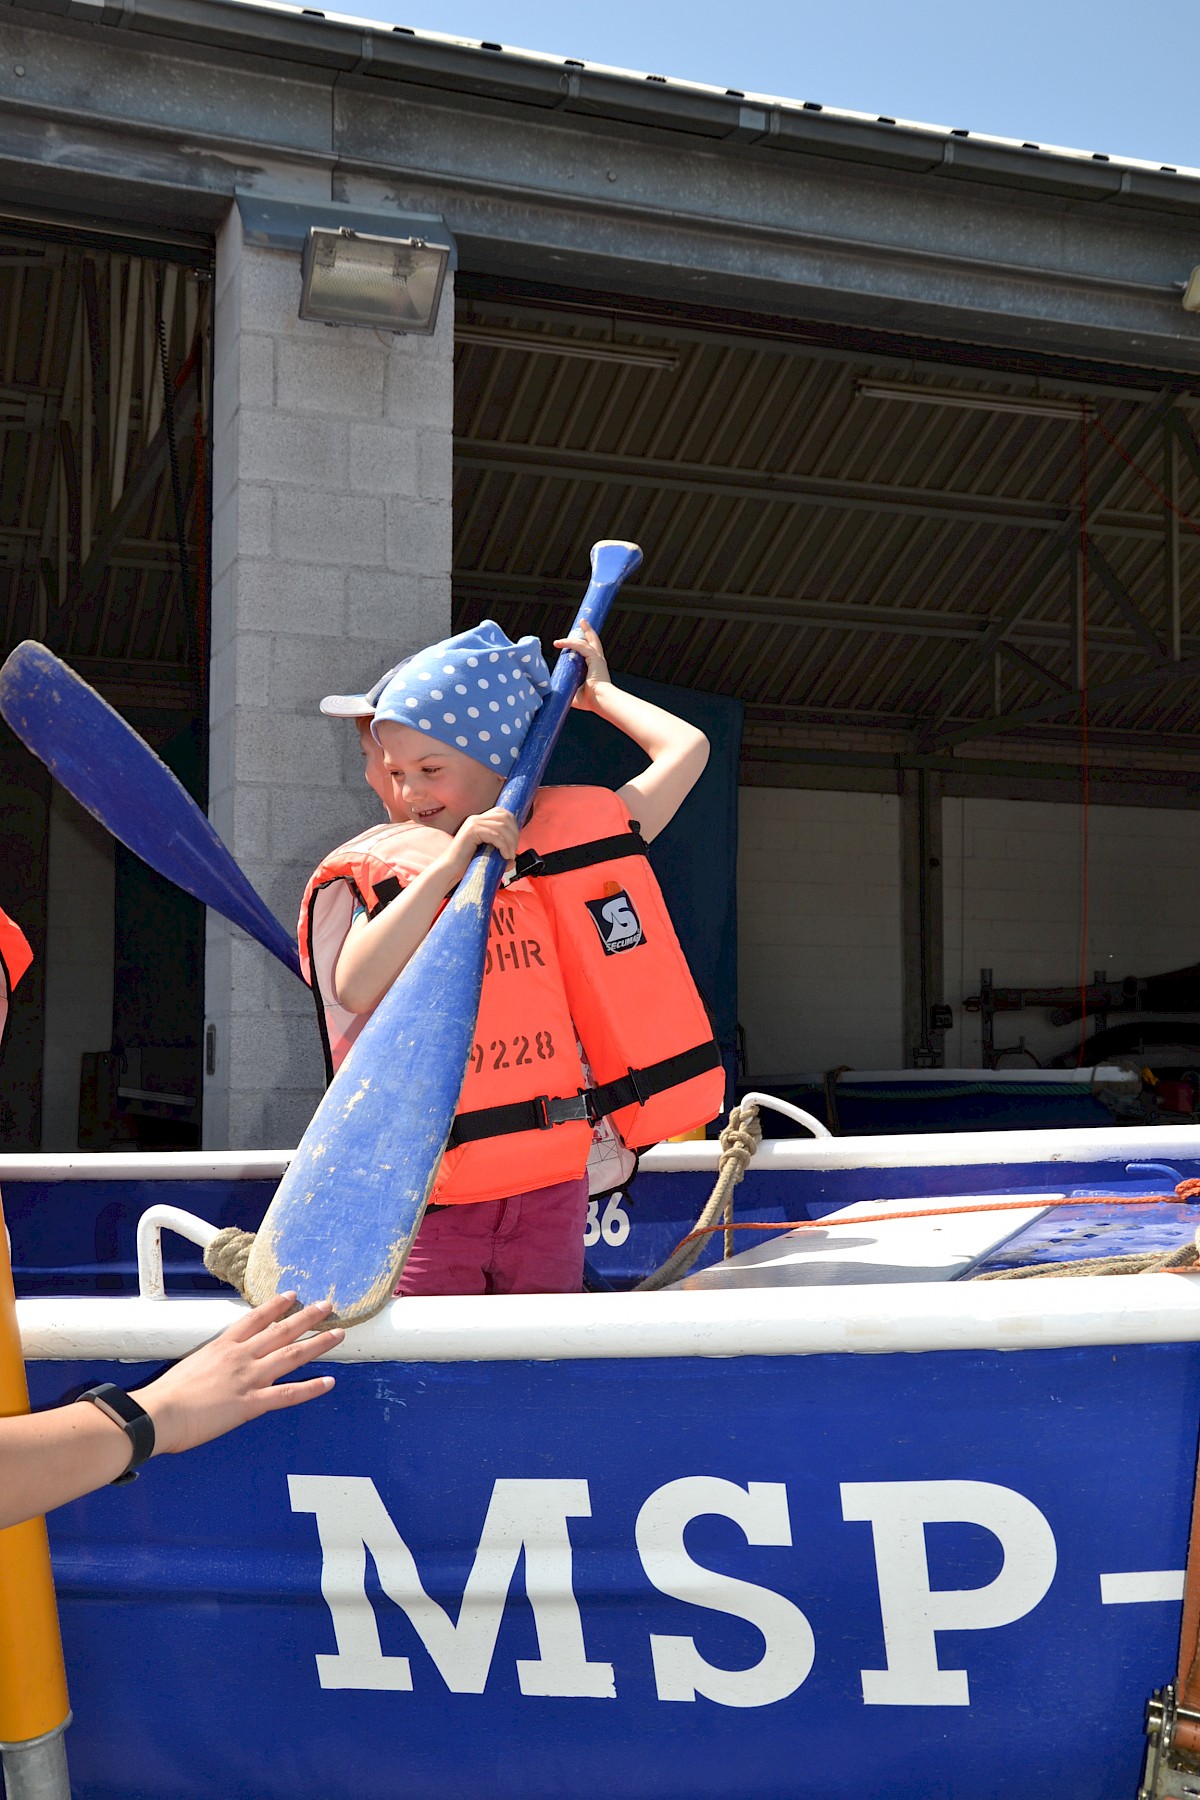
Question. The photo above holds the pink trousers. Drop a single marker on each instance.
(529, 1244)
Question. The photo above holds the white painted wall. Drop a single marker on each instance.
(1013, 902)
(819, 965)
(79, 961)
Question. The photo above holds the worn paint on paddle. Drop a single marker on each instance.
(346, 1211)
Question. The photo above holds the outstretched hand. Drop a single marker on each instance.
(232, 1379)
(590, 648)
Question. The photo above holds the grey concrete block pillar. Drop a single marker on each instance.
(330, 559)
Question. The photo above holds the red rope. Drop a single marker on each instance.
(1138, 470)
(1085, 821)
(1186, 1190)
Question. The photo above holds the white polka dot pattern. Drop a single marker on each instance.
(487, 675)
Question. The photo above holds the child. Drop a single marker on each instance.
(361, 708)
(509, 1206)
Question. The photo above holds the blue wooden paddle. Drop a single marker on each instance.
(112, 772)
(346, 1212)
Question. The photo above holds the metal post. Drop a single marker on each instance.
(37, 1769)
(921, 862)
(1171, 580)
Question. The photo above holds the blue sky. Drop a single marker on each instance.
(1103, 76)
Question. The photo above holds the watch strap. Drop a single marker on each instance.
(134, 1421)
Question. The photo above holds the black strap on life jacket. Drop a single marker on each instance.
(535, 866)
(588, 1105)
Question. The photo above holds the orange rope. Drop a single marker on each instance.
(1186, 1190)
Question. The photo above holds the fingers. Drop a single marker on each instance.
(295, 1393)
(260, 1317)
(284, 1358)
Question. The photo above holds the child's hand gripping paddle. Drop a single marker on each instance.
(345, 1214)
(114, 774)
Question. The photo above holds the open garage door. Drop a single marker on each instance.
(909, 561)
(104, 508)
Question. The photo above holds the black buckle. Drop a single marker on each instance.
(639, 1095)
(570, 1109)
(528, 862)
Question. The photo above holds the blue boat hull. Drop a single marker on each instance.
(203, 1653)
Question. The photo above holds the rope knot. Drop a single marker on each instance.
(226, 1257)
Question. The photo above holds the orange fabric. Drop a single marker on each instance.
(632, 1007)
(15, 953)
(15, 958)
(342, 881)
(548, 982)
(33, 1683)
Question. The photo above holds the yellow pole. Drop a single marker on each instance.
(33, 1684)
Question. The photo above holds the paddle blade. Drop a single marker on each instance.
(345, 1214)
(111, 771)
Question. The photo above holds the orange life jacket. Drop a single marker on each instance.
(15, 958)
(581, 954)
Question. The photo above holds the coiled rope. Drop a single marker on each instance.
(739, 1141)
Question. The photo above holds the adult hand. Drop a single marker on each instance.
(232, 1379)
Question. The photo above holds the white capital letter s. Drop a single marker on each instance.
(680, 1672)
(913, 1613)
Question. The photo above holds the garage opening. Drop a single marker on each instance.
(956, 592)
(104, 435)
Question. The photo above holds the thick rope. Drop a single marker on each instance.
(739, 1141)
(226, 1257)
(1184, 1257)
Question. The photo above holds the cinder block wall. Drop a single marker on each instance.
(819, 963)
(331, 559)
(1012, 902)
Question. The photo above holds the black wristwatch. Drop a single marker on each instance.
(134, 1421)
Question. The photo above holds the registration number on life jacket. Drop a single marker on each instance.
(513, 1053)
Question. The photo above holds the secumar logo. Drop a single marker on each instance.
(615, 918)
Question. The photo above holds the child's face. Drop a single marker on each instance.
(376, 774)
(433, 783)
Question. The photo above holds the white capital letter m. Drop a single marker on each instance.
(528, 1516)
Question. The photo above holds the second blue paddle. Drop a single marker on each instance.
(346, 1212)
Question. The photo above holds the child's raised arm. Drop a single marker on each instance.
(677, 750)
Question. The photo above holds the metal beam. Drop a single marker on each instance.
(719, 607)
(134, 496)
(1172, 583)
(1166, 675)
(796, 490)
(1124, 602)
(947, 701)
(1031, 667)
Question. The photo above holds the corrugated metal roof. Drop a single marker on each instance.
(821, 554)
(89, 559)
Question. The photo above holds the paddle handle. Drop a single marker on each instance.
(612, 563)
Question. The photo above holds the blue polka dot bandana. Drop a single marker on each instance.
(478, 691)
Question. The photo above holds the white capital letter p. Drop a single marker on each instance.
(913, 1613)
